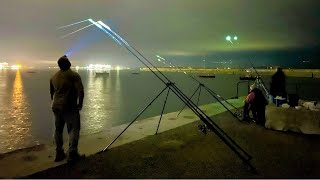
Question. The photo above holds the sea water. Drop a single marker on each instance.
(110, 100)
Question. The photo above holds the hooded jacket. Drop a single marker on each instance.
(66, 88)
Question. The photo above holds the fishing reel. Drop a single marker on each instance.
(203, 128)
(238, 114)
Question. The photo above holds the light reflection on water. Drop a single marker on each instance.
(101, 102)
(15, 128)
(25, 105)
(97, 97)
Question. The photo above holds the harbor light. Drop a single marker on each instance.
(99, 67)
(15, 67)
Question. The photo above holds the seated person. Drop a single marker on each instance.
(256, 102)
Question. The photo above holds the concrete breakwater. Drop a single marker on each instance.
(314, 73)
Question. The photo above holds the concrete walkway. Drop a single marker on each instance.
(30, 160)
(184, 152)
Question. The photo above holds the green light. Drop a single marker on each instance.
(235, 38)
(228, 38)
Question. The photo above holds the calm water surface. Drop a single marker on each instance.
(26, 117)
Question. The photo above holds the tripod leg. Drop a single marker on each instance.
(207, 120)
(242, 154)
(164, 105)
(261, 84)
(199, 96)
(135, 119)
(250, 167)
(189, 98)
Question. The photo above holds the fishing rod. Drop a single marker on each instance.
(206, 119)
(201, 84)
(259, 79)
(242, 154)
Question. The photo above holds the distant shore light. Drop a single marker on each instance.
(99, 66)
(15, 67)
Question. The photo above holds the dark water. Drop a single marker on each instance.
(26, 117)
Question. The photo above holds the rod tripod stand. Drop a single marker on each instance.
(144, 109)
(260, 83)
(170, 86)
(242, 154)
(237, 114)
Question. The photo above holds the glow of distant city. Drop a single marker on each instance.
(15, 67)
(99, 67)
(4, 65)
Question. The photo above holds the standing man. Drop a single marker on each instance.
(67, 93)
(278, 84)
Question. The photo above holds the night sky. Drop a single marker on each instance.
(270, 32)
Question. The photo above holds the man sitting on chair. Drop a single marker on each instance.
(256, 102)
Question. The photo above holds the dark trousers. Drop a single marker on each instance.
(72, 119)
(259, 114)
(246, 111)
